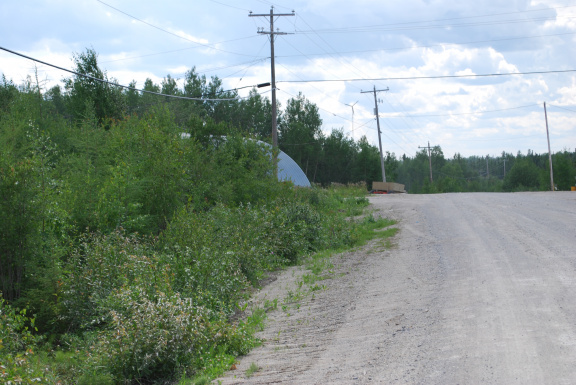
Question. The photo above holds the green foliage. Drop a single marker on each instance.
(300, 133)
(523, 175)
(98, 266)
(368, 229)
(155, 338)
(87, 96)
(564, 168)
(15, 329)
(252, 369)
(8, 93)
(17, 345)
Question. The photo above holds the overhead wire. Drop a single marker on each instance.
(249, 66)
(172, 33)
(428, 77)
(341, 59)
(432, 45)
(458, 113)
(175, 50)
(564, 108)
(495, 140)
(410, 130)
(356, 70)
(341, 117)
(295, 48)
(228, 5)
(379, 26)
(320, 108)
(316, 88)
(440, 26)
(112, 83)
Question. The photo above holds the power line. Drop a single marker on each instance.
(320, 108)
(230, 6)
(316, 88)
(495, 140)
(424, 27)
(381, 26)
(247, 67)
(410, 131)
(112, 83)
(459, 113)
(342, 60)
(171, 33)
(564, 108)
(175, 50)
(432, 45)
(427, 77)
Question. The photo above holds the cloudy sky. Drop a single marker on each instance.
(334, 50)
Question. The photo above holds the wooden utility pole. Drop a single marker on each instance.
(549, 153)
(379, 133)
(429, 160)
(272, 66)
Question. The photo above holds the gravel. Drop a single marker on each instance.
(477, 288)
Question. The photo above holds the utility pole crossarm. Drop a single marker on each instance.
(273, 14)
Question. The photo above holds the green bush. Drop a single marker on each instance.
(98, 266)
(156, 338)
(17, 345)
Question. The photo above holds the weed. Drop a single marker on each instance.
(317, 287)
(252, 369)
(271, 305)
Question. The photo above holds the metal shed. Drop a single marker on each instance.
(288, 169)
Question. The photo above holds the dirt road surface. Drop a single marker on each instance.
(477, 289)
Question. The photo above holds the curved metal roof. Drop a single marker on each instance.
(288, 169)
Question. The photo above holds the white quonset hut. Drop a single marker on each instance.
(288, 169)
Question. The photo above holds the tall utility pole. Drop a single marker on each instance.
(429, 160)
(379, 133)
(549, 153)
(272, 66)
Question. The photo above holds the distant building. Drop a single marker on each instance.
(288, 169)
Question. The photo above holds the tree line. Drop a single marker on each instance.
(324, 158)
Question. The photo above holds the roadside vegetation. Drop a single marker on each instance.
(132, 226)
(126, 247)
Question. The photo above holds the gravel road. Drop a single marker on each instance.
(477, 289)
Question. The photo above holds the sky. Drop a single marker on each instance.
(333, 52)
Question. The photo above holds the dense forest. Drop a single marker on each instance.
(133, 224)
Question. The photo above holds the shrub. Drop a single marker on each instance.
(99, 265)
(155, 338)
(17, 345)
